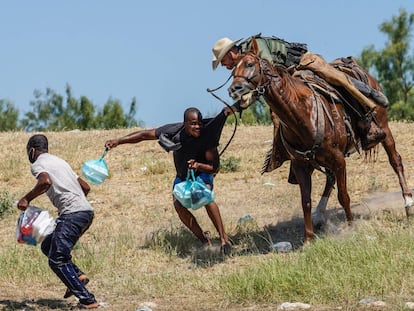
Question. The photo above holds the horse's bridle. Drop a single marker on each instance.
(258, 88)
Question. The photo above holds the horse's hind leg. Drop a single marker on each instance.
(396, 162)
(303, 176)
(319, 217)
(343, 196)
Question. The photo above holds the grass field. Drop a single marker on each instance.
(138, 254)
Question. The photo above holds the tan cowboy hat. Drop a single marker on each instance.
(220, 49)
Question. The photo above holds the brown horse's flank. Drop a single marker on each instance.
(298, 106)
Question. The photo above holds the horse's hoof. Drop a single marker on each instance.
(409, 206)
(409, 211)
(318, 225)
(318, 220)
(307, 243)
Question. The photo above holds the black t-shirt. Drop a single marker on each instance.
(191, 147)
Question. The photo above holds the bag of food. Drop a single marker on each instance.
(33, 225)
(96, 171)
(193, 192)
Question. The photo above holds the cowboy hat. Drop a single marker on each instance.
(220, 49)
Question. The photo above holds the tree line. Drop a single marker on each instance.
(53, 112)
(392, 66)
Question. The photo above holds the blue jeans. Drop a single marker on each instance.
(58, 246)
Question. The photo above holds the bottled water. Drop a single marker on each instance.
(283, 247)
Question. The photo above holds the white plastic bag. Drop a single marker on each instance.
(43, 226)
(33, 225)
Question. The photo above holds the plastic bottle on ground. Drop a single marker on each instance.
(283, 247)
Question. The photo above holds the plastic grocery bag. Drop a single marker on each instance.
(33, 225)
(96, 171)
(193, 192)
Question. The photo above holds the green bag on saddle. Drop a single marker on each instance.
(276, 50)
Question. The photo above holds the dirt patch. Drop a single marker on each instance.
(376, 204)
(380, 202)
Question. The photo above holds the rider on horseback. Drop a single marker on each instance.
(279, 52)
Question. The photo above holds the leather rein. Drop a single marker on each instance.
(211, 91)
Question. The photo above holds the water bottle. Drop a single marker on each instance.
(196, 196)
(244, 219)
(283, 247)
(27, 228)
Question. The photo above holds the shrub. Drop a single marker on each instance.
(230, 164)
(6, 203)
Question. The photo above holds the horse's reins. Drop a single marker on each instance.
(211, 91)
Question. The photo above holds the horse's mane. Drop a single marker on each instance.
(294, 88)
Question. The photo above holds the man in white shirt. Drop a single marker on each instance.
(67, 192)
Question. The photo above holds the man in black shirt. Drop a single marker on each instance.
(194, 144)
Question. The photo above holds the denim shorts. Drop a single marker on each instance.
(207, 178)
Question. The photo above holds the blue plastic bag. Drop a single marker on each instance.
(193, 192)
(96, 171)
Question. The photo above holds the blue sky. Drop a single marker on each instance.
(160, 51)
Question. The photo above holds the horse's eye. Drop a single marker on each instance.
(250, 65)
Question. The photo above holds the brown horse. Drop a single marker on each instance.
(316, 131)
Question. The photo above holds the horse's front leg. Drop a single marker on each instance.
(343, 196)
(396, 162)
(319, 217)
(303, 176)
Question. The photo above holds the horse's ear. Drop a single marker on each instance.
(254, 48)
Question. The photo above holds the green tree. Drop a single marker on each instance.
(130, 117)
(46, 111)
(78, 114)
(87, 118)
(9, 116)
(112, 115)
(71, 112)
(394, 65)
(53, 112)
(258, 113)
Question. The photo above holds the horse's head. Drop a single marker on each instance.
(247, 77)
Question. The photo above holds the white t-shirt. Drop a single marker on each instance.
(65, 192)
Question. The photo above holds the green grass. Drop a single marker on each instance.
(371, 263)
(24, 263)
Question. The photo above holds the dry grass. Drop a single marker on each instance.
(134, 210)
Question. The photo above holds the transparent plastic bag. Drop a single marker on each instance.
(33, 225)
(193, 192)
(96, 171)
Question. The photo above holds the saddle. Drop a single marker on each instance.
(278, 154)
